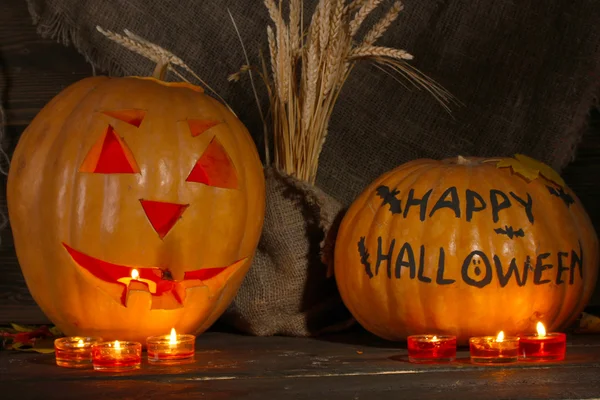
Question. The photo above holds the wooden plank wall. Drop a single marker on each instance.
(33, 70)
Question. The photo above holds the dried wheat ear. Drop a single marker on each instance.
(308, 67)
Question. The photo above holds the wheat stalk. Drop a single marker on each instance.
(362, 14)
(374, 51)
(380, 27)
(309, 66)
(295, 25)
(164, 59)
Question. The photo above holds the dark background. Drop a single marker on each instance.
(33, 70)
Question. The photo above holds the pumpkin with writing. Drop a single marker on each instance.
(136, 206)
(467, 247)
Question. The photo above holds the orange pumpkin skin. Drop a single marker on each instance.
(447, 269)
(85, 214)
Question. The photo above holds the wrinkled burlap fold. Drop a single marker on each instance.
(288, 290)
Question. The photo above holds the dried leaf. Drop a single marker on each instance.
(589, 323)
(29, 338)
(530, 168)
(23, 328)
(56, 332)
(39, 347)
(41, 351)
(544, 169)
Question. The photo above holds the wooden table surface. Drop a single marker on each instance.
(348, 366)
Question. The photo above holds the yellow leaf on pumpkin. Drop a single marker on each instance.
(530, 168)
(518, 168)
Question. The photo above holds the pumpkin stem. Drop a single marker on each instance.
(167, 275)
(463, 161)
(161, 70)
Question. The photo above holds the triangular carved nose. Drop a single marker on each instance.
(162, 215)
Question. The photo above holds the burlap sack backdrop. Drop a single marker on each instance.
(288, 290)
(526, 72)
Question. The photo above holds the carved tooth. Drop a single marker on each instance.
(138, 296)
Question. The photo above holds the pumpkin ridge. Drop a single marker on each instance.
(490, 239)
(438, 183)
(389, 228)
(417, 175)
(541, 190)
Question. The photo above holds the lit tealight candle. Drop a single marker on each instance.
(171, 349)
(74, 351)
(135, 276)
(494, 349)
(116, 356)
(542, 346)
(431, 348)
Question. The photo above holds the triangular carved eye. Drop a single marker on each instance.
(110, 155)
(199, 126)
(214, 168)
(132, 117)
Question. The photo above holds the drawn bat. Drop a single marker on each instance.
(560, 193)
(510, 232)
(364, 256)
(389, 197)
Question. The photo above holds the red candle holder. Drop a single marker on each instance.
(494, 349)
(550, 347)
(74, 351)
(116, 356)
(431, 348)
(171, 349)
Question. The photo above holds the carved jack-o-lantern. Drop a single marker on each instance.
(136, 206)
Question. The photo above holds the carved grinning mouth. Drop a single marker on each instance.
(166, 293)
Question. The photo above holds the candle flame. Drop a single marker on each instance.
(117, 344)
(500, 337)
(173, 337)
(135, 274)
(80, 343)
(541, 330)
